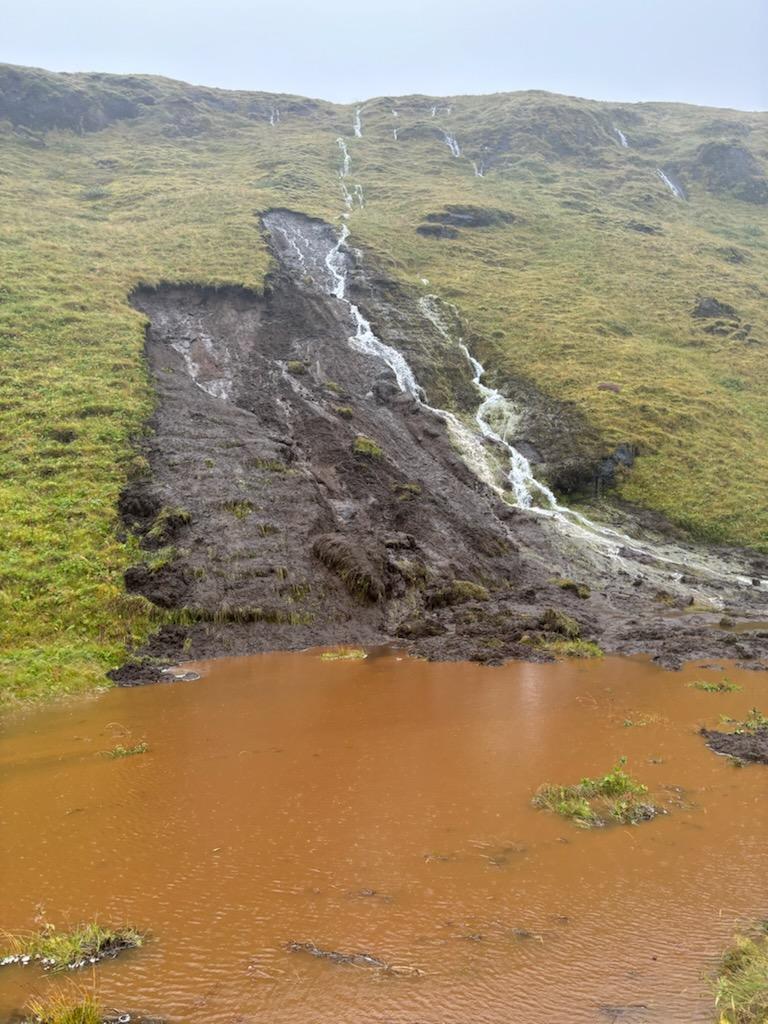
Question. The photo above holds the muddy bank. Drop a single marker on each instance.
(743, 746)
(296, 495)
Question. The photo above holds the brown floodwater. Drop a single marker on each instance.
(384, 807)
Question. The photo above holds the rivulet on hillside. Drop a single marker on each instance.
(605, 263)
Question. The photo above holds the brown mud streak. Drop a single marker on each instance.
(275, 533)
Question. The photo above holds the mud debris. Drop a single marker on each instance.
(354, 959)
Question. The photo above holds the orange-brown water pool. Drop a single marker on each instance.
(384, 806)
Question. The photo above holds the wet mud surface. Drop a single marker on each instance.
(743, 746)
(295, 495)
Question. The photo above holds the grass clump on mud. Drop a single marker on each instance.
(708, 686)
(86, 944)
(741, 987)
(747, 743)
(593, 803)
(363, 445)
(344, 654)
(572, 648)
(60, 1008)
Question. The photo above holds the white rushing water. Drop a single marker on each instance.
(274, 117)
(479, 169)
(394, 134)
(346, 159)
(676, 191)
(622, 138)
(357, 124)
(434, 112)
(450, 140)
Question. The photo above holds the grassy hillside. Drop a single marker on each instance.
(106, 181)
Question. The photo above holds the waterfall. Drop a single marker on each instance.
(451, 143)
(346, 159)
(676, 191)
(274, 117)
(358, 124)
(622, 138)
(479, 169)
(434, 112)
(394, 134)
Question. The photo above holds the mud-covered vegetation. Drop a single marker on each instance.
(592, 803)
(742, 982)
(111, 181)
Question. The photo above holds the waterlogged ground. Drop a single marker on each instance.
(383, 807)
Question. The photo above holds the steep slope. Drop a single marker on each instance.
(582, 277)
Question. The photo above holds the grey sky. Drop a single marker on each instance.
(698, 51)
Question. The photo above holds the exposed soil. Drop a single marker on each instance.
(295, 496)
(744, 746)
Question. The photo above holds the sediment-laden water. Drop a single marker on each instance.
(382, 807)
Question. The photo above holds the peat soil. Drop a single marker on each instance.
(295, 496)
(743, 746)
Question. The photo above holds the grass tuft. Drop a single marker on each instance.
(60, 1008)
(86, 944)
(592, 803)
(344, 654)
(363, 445)
(741, 987)
(707, 686)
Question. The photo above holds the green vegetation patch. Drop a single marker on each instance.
(580, 589)
(593, 803)
(363, 445)
(721, 686)
(741, 987)
(572, 648)
(86, 944)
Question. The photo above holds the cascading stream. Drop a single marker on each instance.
(676, 191)
(495, 418)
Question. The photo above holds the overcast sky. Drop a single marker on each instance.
(699, 51)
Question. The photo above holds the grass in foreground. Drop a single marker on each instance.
(61, 1008)
(54, 950)
(593, 803)
(742, 983)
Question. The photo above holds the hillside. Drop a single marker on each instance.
(622, 311)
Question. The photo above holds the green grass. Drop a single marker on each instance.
(363, 445)
(80, 946)
(721, 686)
(755, 720)
(612, 798)
(741, 988)
(86, 217)
(572, 648)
